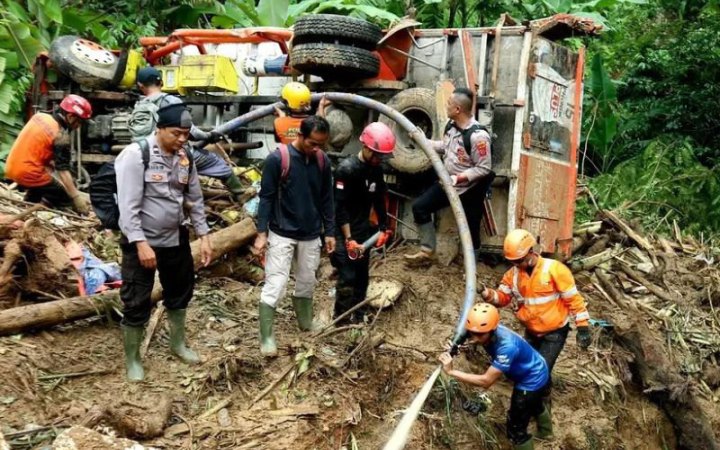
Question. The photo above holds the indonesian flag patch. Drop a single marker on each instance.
(339, 185)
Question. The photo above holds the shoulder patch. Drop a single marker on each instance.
(481, 147)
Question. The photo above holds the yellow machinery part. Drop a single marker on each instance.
(135, 61)
(207, 73)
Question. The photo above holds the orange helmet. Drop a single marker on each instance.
(482, 318)
(518, 244)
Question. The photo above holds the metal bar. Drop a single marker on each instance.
(414, 58)
(483, 64)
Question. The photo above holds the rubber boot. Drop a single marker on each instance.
(426, 234)
(132, 338)
(268, 347)
(235, 187)
(176, 317)
(304, 313)
(527, 445)
(544, 425)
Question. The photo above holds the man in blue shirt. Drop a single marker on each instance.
(519, 362)
(296, 209)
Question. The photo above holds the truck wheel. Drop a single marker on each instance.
(332, 28)
(334, 61)
(86, 62)
(418, 105)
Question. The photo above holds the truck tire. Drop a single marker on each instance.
(85, 62)
(334, 61)
(332, 28)
(418, 105)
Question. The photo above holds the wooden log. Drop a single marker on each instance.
(593, 261)
(15, 320)
(632, 234)
(612, 291)
(656, 290)
(666, 387)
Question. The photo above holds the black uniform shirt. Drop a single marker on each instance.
(358, 187)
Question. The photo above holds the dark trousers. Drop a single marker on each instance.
(353, 278)
(473, 202)
(549, 346)
(53, 194)
(177, 277)
(524, 405)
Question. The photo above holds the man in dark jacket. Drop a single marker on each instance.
(296, 208)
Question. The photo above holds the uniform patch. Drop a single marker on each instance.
(503, 359)
(339, 185)
(481, 148)
(372, 187)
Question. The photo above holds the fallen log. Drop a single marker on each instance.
(15, 320)
(656, 290)
(665, 387)
(625, 228)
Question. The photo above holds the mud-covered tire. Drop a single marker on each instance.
(86, 62)
(332, 28)
(332, 61)
(419, 106)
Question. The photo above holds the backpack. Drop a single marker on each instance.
(467, 134)
(103, 189)
(285, 162)
(144, 117)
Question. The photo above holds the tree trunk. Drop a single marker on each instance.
(15, 320)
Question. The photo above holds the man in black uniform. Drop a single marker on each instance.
(359, 186)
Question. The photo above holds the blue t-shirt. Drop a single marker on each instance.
(521, 363)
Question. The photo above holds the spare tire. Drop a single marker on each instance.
(332, 28)
(419, 106)
(334, 61)
(85, 62)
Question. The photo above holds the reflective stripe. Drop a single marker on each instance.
(541, 300)
(505, 289)
(546, 266)
(569, 293)
(582, 316)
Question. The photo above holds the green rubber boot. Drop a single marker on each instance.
(544, 425)
(304, 313)
(235, 187)
(527, 445)
(176, 317)
(132, 338)
(268, 347)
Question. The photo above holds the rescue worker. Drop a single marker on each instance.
(296, 209)
(467, 158)
(39, 160)
(543, 295)
(519, 362)
(297, 101)
(149, 82)
(360, 187)
(151, 202)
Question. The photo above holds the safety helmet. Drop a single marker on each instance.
(518, 244)
(74, 104)
(378, 137)
(482, 318)
(296, 95)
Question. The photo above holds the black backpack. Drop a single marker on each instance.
(467, 134)
(103, 188)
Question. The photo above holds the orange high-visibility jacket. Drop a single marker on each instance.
(31, 154)
(287, 128)
(543, 301)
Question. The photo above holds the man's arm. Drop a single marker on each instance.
(503, 294)
(62, 161)
(379, 203)
(565, 284)
(481, 157)
(485, 380)
(342, 217)
(130, 176)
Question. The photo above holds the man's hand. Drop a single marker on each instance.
(322, 106)
(213, 137)
(354, 250)
(206, 251)
(259, 246)
(485, 293)
(329, 244)
(446, 361)
(146, 255)
(583, 337)
(81, 204)
(279, 112)
(382, 240)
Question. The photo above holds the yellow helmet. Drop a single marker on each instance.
(297, 96)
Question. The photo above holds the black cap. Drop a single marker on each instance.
(176, 115)
(149, 75)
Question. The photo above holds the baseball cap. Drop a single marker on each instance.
(148, 75)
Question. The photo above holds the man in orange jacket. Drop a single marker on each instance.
(543, 295)
(39, 160)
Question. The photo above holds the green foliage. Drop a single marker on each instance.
(665, 182)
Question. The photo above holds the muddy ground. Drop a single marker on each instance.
(324, 400)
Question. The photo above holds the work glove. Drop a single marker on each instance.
(81, 204)
(384, 237)
(354, 249)
(583, 337)
(213, 137)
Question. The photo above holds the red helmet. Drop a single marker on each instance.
(74, 104)
(378, 137)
